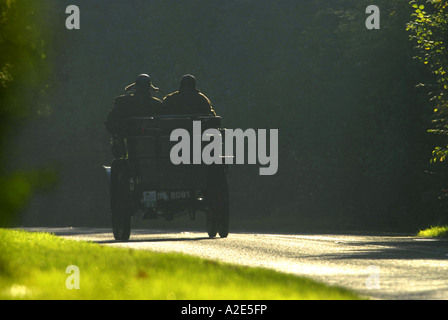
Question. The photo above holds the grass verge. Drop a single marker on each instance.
(434, 232)
(33, 266)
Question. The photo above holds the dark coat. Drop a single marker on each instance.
(187, 102)
(128, 106)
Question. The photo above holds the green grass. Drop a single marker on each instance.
(33, 266)
(434, 232)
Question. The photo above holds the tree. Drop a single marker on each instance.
(429, 29)
(23, 87)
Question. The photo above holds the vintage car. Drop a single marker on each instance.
(144, 180)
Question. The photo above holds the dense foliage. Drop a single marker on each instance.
(24, 73)
(429, 30)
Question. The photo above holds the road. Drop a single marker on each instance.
(380, 267)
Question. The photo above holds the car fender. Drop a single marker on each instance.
(108, 173)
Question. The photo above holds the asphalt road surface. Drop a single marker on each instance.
(380, 267)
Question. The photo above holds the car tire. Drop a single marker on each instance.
(218, 214)
(120, 203)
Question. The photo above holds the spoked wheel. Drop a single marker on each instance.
(218, 214)
(120, 204)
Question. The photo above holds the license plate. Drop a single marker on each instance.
(151, 197)
(178, 195)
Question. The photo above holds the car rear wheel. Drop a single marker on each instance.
(212, 225)
(218, 214)
(121, 204)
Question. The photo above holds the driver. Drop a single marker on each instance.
(140, 103)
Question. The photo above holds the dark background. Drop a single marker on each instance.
(353, 147)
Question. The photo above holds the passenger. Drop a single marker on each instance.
(188, 99)
(140, 103)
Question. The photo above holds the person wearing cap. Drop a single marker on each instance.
(188, 99)
(139, 103)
